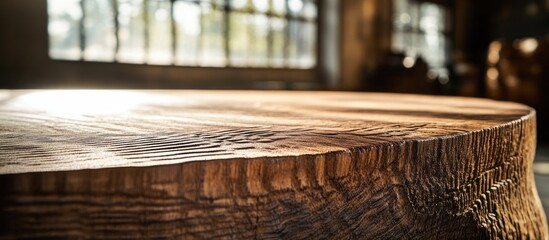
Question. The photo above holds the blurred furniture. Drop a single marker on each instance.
(518, 71)
(288, 165)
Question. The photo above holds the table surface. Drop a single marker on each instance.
(57, 130)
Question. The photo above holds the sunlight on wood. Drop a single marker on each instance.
(74, 103)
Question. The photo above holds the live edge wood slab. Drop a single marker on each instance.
(286, 165)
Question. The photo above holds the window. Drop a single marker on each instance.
(216, 33)
(421, 29)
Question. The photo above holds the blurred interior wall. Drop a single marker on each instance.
(366, 30)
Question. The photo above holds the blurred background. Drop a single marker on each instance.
(490, 49)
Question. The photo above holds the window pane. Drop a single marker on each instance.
(295, 7)
(408, 43)
(294, 35)
(278, 26)
(302, 44)
(431, 47)
(238, 4)
(131, 31)
(99, 30)
(406, 14)
(432, 18)
(279, 6)
(434, 50)
(261, 5)
(260, 31)
(212, 51)
(308, 46)
(309, 10)
(419, 32)
(249, 37)
(187, 19)
(64, 29)
(160, 30)
(399, 40)
(240, 39)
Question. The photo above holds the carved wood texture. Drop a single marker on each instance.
(283, 165)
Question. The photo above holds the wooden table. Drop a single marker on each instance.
(244, 164)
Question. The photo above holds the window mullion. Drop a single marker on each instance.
(201, 37)
(116, 30)
(270, 35)
(146, 29)
(226, 32)
(173, 32)
(286, 52)
(82, 32)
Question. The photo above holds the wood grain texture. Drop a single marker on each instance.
(286, 165)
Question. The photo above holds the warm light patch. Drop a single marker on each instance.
(511, 81)
(408, 62)
(492, 73)
(495, 46)
(493, 52)
(492, 78)
(528, 45)
(71, 103)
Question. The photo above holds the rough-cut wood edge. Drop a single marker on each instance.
(36, 137)
(335, 195)
(473, 185)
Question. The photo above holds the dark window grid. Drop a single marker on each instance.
(82, 34)
(225, 8)
(447, 35)
(417, 29)
(447, 38)
(447, 32)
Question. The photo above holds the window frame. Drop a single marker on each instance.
(177, 76)
(447, 33)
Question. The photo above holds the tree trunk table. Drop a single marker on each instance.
(259, 164)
